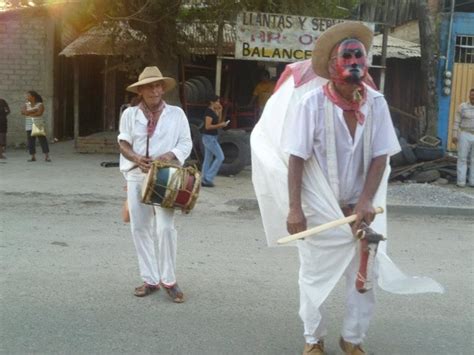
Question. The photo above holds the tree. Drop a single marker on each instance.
(158, 19)
(429, 61)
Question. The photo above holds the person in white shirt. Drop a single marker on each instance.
(33, 112)
(463, 136)
(346, 126)
(152, 130)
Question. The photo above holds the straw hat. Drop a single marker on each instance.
(334, 35)
(150, 75)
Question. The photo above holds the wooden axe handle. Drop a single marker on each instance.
(322, 228)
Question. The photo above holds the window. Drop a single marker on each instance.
(464, 49)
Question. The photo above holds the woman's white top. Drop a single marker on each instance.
(29, 119)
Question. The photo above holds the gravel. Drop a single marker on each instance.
(412, 194)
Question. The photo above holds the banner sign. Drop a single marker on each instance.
(277, 37)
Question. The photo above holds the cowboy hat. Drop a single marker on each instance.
(150, 75)
(334, 35)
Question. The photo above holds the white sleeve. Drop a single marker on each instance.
(384, 141)
(298, 135)
(184, 145)
(125, 127)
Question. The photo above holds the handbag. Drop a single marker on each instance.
(37, 130)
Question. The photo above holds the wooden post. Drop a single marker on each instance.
(383, 60)
(104, 95)
(220, 28)
(76, 100)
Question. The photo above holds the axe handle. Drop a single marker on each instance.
(322, 228)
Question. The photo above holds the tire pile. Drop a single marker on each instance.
(196, 89)
(423, 162)
(234, 143)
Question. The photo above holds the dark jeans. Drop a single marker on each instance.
(32, 143)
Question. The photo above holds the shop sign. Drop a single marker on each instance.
(278, 37)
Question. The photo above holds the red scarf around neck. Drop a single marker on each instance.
(152, 116)
(360, 96)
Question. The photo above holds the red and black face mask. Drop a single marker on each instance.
(348, 63)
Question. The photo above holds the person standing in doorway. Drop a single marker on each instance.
(33, 112)
(213, 154)
(463, 136)
(263, 90)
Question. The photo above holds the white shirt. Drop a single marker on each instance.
(172, 133)
(29, 119)
(305, 135)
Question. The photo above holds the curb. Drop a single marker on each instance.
(430, 210)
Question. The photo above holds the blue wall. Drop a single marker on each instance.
(463, 24)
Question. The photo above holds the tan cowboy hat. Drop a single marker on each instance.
(334, 35)
(150, 75)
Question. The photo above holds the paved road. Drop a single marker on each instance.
(69, 269)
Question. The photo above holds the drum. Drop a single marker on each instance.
(171, 186)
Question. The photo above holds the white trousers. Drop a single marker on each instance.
(465, 153)
(359, 307)
(149, 223)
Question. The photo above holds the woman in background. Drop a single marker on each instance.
(33, 110)
(213, 154)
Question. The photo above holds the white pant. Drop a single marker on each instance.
(465, 152)
(358, 312)
(147, 223)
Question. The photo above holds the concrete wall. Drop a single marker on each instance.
(26, 63)
(462, 25)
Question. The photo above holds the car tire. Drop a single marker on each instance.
(235, 152)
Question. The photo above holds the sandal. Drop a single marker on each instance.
(48, 160)
(175, 293)
(145, 290)
(32, 159)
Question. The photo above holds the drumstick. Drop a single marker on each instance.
(322, 228)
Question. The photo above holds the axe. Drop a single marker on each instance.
(368, 243)
(322, 228)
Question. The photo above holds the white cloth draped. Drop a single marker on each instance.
(334, 248)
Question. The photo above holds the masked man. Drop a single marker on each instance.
(337, 137)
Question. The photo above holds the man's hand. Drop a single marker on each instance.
(143, 163)
(167, 157)
(365, 213)
(455, 140)
(296, 221)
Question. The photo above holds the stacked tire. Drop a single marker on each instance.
(197, 154)
(197, 89)
(236, 147)
(406, 156)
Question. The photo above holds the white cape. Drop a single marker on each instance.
(269, 177)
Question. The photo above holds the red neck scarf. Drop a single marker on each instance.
(152, 116)
(359, 98)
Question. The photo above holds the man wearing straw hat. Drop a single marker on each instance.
(152, 130)
(346, 126)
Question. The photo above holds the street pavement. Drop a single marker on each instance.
(68, 270)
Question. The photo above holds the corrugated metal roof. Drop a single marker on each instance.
(396, 48)
(117, 38)
(201, 38)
